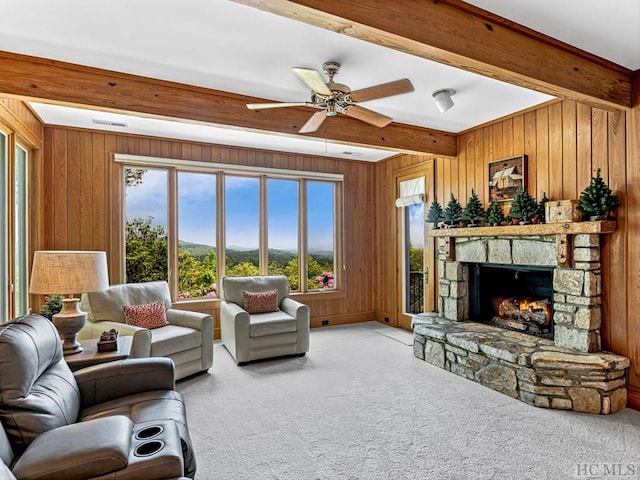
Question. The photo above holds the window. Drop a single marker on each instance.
(4, 250)
(179, 219)
(282, 214)
(197, 259)
(14, 232)
(414, 260)
(146, 245)
(320, 235)
(242, 200)
(21, 256)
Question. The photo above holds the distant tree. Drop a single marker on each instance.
(133, 176)
(191, 275)
(244, 269)
(146, 251)
(276, 268)
(292, 271)
(416, 259)
(314, 270)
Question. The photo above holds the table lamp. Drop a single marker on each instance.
(66, 273)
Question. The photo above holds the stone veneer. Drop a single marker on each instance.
(568, 373)
(577, 289)
(528, 368)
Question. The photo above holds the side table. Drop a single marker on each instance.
(90, 355)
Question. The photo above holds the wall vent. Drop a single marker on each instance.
(109, 123)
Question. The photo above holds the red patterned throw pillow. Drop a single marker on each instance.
(261, 302)
(151, 315)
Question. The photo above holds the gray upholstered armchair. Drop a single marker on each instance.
(187, 339)
(278, 331)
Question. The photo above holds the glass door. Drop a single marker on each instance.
(4, 236)
(415, 249)
(20, 237)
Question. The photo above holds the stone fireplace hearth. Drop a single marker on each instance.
(567, 372)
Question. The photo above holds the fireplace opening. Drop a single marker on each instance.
(514, 297)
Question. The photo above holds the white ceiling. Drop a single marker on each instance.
(232, 47)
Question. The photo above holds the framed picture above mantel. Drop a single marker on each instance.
(505, 177)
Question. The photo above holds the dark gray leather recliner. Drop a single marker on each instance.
(102, 422)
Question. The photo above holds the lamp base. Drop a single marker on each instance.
(69, 322)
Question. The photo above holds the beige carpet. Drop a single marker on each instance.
(361, 406)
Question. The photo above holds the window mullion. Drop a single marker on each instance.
(221, 234)
(263, 215)
(172, 233)
(302, 236)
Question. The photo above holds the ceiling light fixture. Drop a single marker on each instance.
(443, 99)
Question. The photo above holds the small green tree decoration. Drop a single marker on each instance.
(52, 305)
(473, 211)
(495, 215)
(596, 200)
(434, 215)
(523, 207)
(452, 213)
(542, 207)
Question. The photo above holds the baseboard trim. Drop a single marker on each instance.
(342, 319)
(633, 397)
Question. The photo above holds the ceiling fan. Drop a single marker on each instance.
(333, 98)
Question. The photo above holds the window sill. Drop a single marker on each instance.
(194, 303)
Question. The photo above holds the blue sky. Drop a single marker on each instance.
(416, 225)
(197, 216)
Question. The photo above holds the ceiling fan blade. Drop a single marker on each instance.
(369, 116)
(262, 106)
(382, 90)
(314, 122)
(313, 79)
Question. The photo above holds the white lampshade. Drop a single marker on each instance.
(443, 99)
(68, 272)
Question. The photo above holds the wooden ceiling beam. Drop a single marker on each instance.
(60, 82)
(463, 36)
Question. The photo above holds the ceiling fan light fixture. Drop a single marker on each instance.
(443, 99)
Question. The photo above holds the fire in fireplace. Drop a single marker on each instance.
(514, 297)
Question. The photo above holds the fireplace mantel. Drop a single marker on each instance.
(569, 228)
(562, 231)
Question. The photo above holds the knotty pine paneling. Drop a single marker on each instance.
(83, 205)
(565, 143)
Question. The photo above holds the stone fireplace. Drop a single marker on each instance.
(556, 265)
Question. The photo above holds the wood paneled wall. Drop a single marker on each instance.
(82, 199)
(21, 120)
(565, 143)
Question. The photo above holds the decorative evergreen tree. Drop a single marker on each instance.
(473, 211)
(453, 212)
(434, 215)
(52, 305)
(523, 207)
(596, 200)
(495, 215)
